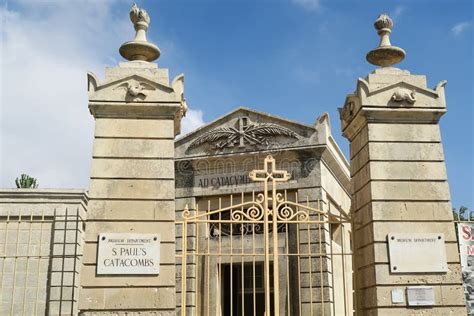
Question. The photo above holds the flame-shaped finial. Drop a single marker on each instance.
(139, 48)
(383, 22)
(385, 55)
(138, 15)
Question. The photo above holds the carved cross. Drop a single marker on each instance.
(242, 123)
(269, 172)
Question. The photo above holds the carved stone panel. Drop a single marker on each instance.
(244, 133)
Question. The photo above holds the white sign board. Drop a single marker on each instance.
(466, 252)
(398, 296)
(417, 253)
(128, 253)
(420, 296)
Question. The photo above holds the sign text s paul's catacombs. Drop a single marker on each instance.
(413, 253)
(466, 252)
(128, 254)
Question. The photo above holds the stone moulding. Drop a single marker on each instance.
(347, 112)
(402, 94)
(111, 87)
(251, 133)
(178, 88)
(138, 89)
(363, 85)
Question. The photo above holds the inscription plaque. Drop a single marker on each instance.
(398, 296)
(128, 253)
(417, 253)
(420, 296)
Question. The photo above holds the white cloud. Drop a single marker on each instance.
(47, 47)
(460, 27)
(191, 121)
(398, 12)
(310, 5)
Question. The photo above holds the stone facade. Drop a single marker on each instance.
(143, 181)
(398, 185)
(132, 183)
(210, 175)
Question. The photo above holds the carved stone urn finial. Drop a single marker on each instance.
(139, 48)
(385, 55)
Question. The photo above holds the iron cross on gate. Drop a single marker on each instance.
(273, 174)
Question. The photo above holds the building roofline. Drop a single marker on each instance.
(241, 108)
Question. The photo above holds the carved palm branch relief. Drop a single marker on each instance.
(253, 134)
(258, 133)
(226, 133)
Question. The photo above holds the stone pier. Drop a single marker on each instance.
(137, 114)
(399, 186)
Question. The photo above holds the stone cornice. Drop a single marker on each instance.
(373, 114)
(362, 83)
(142, 110)
(69, 196)
(133, 110)
(316, 147)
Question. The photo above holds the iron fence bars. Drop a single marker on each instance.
(264, 253)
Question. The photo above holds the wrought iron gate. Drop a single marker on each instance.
(265, 253)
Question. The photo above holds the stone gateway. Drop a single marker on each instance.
(251, 214)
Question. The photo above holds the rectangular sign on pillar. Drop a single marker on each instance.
(128, 254)
(427, 253)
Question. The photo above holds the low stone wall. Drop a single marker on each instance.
(40, 250)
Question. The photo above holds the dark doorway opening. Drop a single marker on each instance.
(243, 290)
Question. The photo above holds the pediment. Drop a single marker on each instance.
(398, 84)
(400, 93)
(131, 88)
(245, 130)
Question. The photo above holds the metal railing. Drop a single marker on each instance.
(287, 257)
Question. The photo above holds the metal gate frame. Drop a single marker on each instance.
(269, 209)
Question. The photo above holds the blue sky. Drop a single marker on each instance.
(293, 58)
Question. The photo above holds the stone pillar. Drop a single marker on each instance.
(132, 190)
(399, 185)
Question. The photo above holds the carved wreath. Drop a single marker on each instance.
(253, 134)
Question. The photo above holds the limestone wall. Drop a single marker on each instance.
(41, 246)
(131, 191)
(399, 185)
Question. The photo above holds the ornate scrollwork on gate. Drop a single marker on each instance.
(288, 211)
(268, 213)
(242, 225)
(253, 213)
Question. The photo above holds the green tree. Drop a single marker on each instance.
(26, 182)
(462, 214)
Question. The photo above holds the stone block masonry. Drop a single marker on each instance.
(132, 189)
(399, 185)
